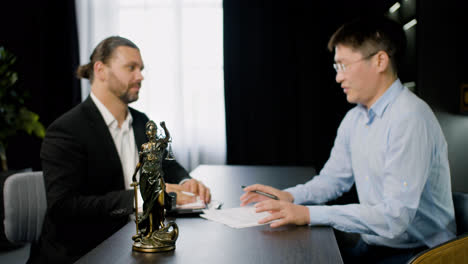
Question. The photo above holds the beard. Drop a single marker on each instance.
(125, 92)
(130, 96)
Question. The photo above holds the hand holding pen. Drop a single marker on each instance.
(258, 192)
(263, 193)
(278, 203)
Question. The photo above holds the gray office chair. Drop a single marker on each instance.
(25, 206)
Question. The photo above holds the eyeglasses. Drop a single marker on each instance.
(340, 67)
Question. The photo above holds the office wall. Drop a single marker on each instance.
(442, 67)
(283, 106)
(34, 32)
(291, 131)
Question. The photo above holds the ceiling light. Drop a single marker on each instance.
(394, 7)
(410, 24)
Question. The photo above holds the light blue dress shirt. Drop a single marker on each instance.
(396, 154)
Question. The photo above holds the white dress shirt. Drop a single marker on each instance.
(124, 141)
(396, 154)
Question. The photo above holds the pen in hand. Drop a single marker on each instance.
(263, 193)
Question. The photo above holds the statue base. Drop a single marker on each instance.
(137, 246)
(161, 240)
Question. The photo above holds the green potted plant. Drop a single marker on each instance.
(14, 116)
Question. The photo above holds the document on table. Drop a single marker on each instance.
(238, 217)
(198, 204)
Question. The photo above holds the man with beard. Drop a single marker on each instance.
(89, 155)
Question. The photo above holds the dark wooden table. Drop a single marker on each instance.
(204, 241)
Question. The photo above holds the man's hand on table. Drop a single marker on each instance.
(192, 186)
(282, 210)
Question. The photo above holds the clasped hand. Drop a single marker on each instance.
(282, 210)
(191, 186)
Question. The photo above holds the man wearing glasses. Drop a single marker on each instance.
(390, 145)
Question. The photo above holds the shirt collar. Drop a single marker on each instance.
(109, 119)
(381, 104)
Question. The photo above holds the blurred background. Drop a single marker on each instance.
(237, 82)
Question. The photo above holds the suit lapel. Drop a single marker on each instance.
(139, 123)
(97, 123)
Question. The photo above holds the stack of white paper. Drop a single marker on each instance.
(198, 204)
(239, 217)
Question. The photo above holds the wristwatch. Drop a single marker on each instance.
(173, 200)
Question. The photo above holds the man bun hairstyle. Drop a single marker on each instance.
(103, 52)
(372, 34)
(85, 71)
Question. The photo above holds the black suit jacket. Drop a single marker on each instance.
(86, 196)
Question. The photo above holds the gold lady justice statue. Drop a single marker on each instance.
(153, 235)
